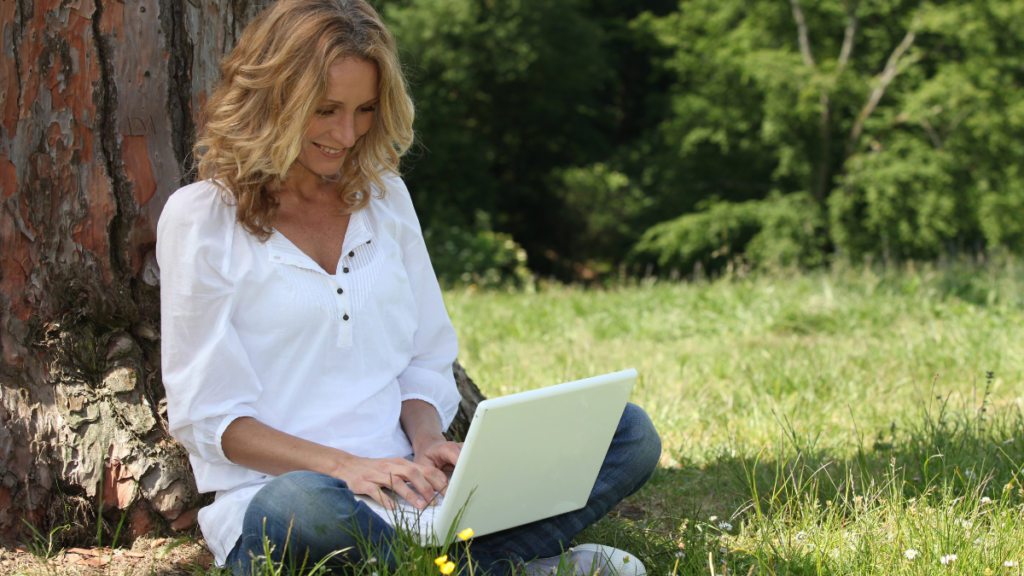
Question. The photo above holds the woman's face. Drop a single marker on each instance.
(346, 115)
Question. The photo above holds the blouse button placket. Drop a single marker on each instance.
(345, 327)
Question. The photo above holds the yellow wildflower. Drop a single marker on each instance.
(441, 560)
(466, 534)
(448, 568)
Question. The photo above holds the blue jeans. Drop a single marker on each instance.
(317, 514)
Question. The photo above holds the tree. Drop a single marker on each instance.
(100, 103)
(897, 118)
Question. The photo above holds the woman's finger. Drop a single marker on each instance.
(451, 452)
(376, 493)
(402, 472)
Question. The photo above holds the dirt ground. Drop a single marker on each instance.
(156, 557)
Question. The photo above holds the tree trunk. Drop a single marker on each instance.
(100, 103)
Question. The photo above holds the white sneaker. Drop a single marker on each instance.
(590, 560)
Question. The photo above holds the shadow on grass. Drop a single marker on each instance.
(946, 457)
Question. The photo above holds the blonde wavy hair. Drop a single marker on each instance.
(271, 86)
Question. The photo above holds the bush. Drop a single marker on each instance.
(1000, 209)
(477, 256)
(901, 199)
(780, 230)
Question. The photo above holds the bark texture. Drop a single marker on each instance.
(100, 104)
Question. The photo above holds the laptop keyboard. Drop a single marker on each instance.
(406, 514)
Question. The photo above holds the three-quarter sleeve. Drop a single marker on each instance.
(206, 371)
(435, 345)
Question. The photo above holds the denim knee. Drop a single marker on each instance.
(315, 514)
(296, 500)
(642, 441)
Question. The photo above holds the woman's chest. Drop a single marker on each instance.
(320, 237)
(285, 298)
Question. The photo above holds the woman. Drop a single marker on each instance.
(306, 349)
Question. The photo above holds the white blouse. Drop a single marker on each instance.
(258, 329)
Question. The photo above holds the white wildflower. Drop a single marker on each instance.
(1010, 563)
(724, 526)
(911, 554)
(1008, 441)
(801, 535)
(713, 518)
(372, 560)
(680, 555)
(948, 559)
(985, 499)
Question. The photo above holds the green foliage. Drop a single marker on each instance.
(506, 91)
(512, 94)
(577, 125)
(908, 162)
(477, 256)
(777, 231)
(602, 208)
(901, 196)
(1000, 212)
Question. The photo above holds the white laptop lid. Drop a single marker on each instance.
(534, 454)
(527, 456)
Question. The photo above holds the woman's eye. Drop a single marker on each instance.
(324, 112)
(369, 109)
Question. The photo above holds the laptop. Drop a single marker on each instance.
(526, 457)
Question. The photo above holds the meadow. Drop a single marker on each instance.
(859, 420)
(852, 420)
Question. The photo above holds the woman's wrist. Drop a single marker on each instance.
(421, 424)
(426, 440)
(339, 462)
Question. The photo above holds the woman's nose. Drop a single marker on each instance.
(344, 131)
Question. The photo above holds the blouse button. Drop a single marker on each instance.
(367, 241)
(340, 291)
(345, 317)
(345, 270)
(352, 253)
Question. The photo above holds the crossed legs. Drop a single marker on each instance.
(316, 514)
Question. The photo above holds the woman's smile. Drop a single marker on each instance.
(331, 152)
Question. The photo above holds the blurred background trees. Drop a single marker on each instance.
(601, 136)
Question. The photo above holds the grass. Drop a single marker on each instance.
(829, 421)
(847, 421)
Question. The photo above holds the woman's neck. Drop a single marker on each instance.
(308, 186)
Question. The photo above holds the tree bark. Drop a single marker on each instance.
(100, 104)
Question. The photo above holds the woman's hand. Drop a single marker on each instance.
(440, 454)
(374, 476)
(250, 443)
(430, 449)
